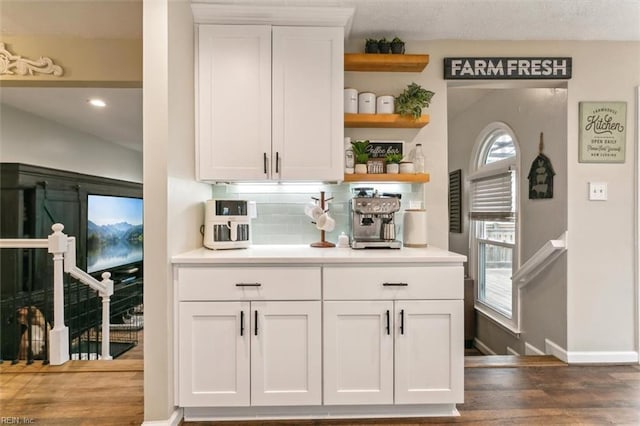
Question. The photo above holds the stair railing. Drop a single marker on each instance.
(63, 249)
(540, 260)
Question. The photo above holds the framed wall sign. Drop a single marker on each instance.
(507, 68)
(379, 149)
(603, 132)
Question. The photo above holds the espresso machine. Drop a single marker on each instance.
(373, 220)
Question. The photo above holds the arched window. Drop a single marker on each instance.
(494, 225)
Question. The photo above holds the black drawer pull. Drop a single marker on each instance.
(241, 323)
(395, 284)
(248, 285)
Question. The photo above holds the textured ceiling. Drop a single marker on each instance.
(408, 19)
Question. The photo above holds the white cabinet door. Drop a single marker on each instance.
(308, 119)
(358, 352)
(233, 102)
(429, 352)
(213, 354)
(286, 353)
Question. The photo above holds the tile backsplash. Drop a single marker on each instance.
(280, 208)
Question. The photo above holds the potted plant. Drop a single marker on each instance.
(411, 101)
(393, 162)
(361, 155)
(397, 46)
(384, 45)
(371, 46)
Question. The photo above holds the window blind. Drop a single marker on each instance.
(492, 197)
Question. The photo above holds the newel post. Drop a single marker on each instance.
(59, 334)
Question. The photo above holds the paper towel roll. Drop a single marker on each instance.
(414, 228)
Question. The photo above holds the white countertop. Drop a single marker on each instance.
(280, 254)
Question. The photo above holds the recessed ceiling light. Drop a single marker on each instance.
(97, 102)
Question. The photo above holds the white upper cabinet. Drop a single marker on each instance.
(308, 117)
(269, 103)
(233, 97)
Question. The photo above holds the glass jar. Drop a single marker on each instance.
(418, 159)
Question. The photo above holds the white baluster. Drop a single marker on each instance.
(59, 335)
(108, 283)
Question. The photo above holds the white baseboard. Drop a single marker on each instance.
(529, 349)
(482, 347)
(575, 357)
(552, 348)
(590, 357)
(173, 420)
(511, 351)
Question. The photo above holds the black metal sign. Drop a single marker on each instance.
(518, 68)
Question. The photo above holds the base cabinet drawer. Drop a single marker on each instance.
(249, 283)
(249, 353)
(392, 282)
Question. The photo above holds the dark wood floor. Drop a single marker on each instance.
(509, 390)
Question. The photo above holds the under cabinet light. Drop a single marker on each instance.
(98, 103)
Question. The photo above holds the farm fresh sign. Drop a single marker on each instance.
(507, 68)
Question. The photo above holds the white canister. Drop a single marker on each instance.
(384, 104)
(367, 103)
(407, 167)
(414, 228)
(350, 101)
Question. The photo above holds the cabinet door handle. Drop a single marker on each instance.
(241, 323)
(255, 330)
(264, 162)
(388, 323)
(248, 284)
(395, 284)
(277, 161)
(402, 321)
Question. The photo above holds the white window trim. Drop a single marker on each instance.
(510, 324)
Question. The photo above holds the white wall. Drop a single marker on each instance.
(600, 259)
(528, 112)
(173, 199)
(30, 139)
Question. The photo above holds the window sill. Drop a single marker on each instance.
(500, 320)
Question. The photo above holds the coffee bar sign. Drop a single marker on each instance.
(518, 68)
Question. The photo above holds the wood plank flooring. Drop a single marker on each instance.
(494, 396)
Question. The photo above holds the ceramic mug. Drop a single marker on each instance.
(313, 211)
(325, 222)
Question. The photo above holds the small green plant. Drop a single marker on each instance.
(411, 101)
(393, 158)
(371, 46)
(360, 151)
(384, 45)
(397, 45)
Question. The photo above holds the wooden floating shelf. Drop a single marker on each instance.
(386, 62)
(386, 177)
(384, 120)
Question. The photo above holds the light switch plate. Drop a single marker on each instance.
(597, 191)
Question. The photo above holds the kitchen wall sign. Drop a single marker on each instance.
(603, 132)
(507, 68)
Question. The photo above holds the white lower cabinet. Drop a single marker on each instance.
(362, 338)
(325, 341)
(242, 353)
(358, 352)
